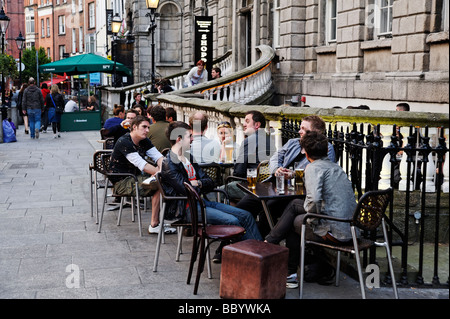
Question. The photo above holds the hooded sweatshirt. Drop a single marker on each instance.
(33, 98)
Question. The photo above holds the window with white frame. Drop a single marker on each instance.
(80, 5)
(444, 15)
(91, 9)
(61, 25)
(276, 23)
(383, 18)
(49, 53)
(62, 50)
(90, 43)
(74, 41)
(29, 22)
(80, 39)
(331, 21)
(42, 28)
(48, 27)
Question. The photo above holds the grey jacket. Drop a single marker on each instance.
(32, 98)
(329, 190)
(289, 152)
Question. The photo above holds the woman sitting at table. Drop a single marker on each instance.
(225, 134)
(177, 169)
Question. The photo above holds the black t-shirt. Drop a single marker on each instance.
(123, 147)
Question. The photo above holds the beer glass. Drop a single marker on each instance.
(251, 178)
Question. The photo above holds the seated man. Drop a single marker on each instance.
(328, 192)
(203, 149)
(258, 146)
(128, 157)
(280, 162)
(177, 169)
(116, 131)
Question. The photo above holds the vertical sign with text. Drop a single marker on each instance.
(204, 41)
(109, 17)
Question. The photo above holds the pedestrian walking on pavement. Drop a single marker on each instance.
(33, 103)
(55, 106)
(22, 110)
(44, 116)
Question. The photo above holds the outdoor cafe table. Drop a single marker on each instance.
(267, 191)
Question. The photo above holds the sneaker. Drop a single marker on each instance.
(44, 131)
(167, 230)
(26, 132)
(37, 133)
(54, 136)
(292, 281)
(59, 135)
(217, 258)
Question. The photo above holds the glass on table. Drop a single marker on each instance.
(279, 177)
(251, 178)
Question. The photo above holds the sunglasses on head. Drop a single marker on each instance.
(224, 124)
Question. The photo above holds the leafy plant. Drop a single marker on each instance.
(8, 66)
(29, 60)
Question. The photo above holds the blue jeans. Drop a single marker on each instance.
(222, 214)
(34, 119)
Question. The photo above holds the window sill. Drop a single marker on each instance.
(326, 49)
(437, 37)
(376, 44)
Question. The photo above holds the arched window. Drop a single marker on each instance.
(170, 34)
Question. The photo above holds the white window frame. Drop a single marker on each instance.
(62, 50)
(331, 21)
(383, 14)
(81, 39)
(29, 22)
(445, 15)
(61, 24)
(74, 40)
(80, 5)
(48, 26)
(276, 24)
(91, 9)
(42, 28)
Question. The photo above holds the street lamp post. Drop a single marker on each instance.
(20, 41)
(4, 23)
(152, 5)
(116, 23)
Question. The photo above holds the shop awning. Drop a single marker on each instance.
(56, 80)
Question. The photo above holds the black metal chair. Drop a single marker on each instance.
(368, 216)
(106, 158)
(205, 234)
(95, 168)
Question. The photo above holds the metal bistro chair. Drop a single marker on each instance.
(106, 158)
(179, 224)
(94, 168)
(368, 215)
(164, 200)
(203, 233)
(108, 142)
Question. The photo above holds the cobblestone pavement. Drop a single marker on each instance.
(50, 247)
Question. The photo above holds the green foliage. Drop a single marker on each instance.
(8, 66)
(29, 60)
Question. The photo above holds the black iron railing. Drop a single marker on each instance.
(362, 155)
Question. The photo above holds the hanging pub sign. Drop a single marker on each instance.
(204, 41)
(109, 17)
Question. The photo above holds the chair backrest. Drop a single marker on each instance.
(165, 151)
(194, 199)
(263, 172)
(109, 143)
(106, 161)
(371, 208)
(102, 133)
(98, 163)
(214, 172)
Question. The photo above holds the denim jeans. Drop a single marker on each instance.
(34, 119)
(222, 214)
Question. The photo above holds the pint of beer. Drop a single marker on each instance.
(299, 173)
(251, 178)
(229, 153)
(126, 125)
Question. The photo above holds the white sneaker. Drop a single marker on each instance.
(292, 281)
(54, 136)
(155, 230)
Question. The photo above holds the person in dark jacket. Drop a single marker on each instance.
(177, 169)
(33, 103)
(54, 104)
(44, 116)
(21, 109)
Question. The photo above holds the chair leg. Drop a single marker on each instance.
(103, 209)
(338, 268)
(138, 208)
(195, 245)
(96, 197)
(119, 217)
(208, 259)
(358, 262)
(201, 264)
(389, 258)
(302, 260)
(92, 190)
(179, 243)
(158, 241)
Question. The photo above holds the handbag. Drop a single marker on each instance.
(59, 109)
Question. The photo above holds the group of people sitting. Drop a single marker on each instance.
(328, 190)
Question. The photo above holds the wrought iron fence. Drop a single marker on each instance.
(415, 169)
